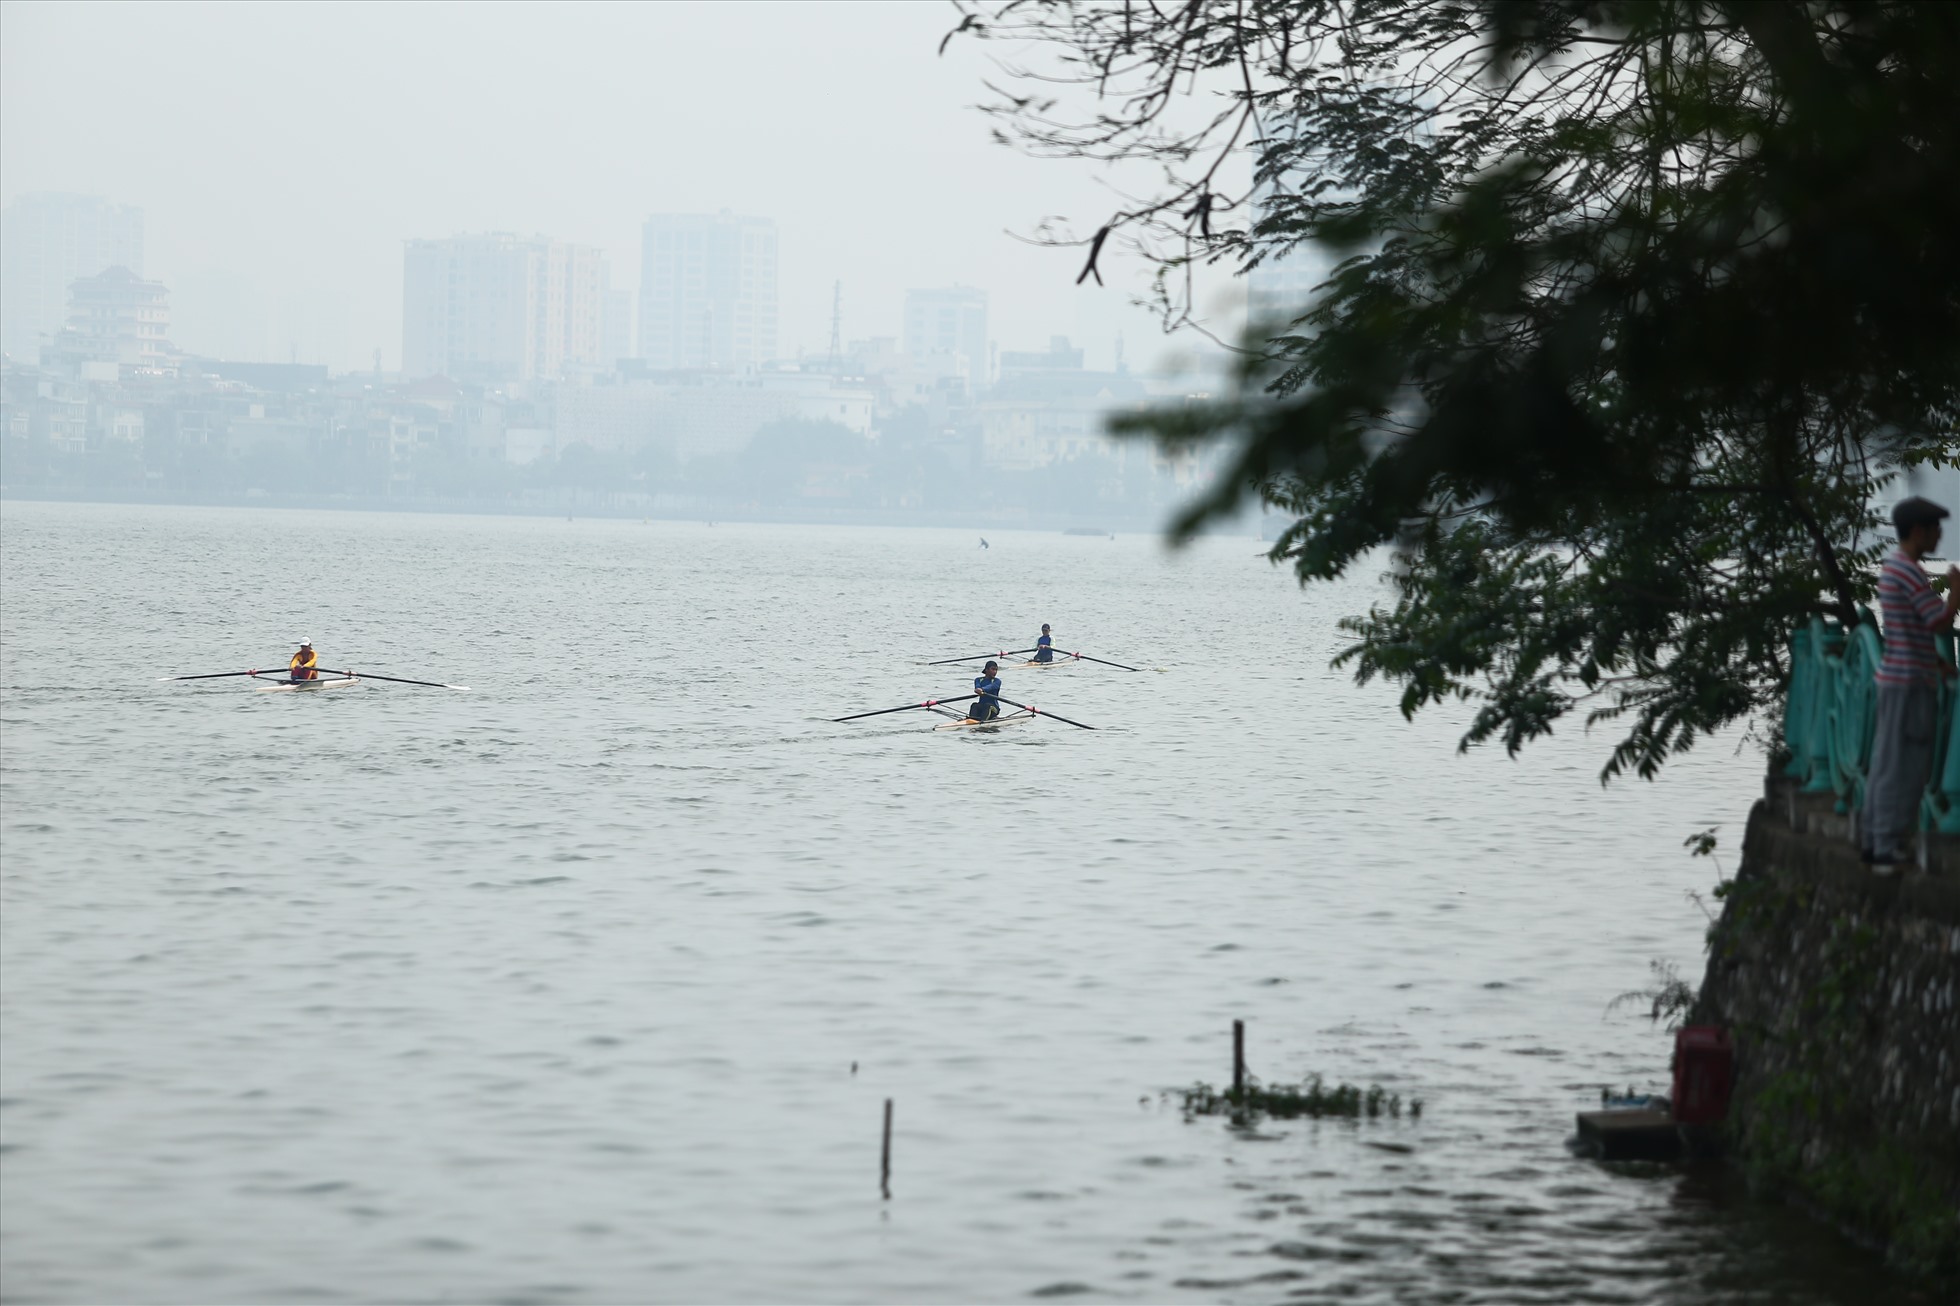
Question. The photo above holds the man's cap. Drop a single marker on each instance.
(1909, 513)
(306, 643)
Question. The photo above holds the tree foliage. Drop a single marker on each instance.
(1634, 306)
(779, 456)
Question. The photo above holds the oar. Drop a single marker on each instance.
(1118, 665)
(909, 707)
(1004, 653)
(369, 675)
(214, 675)
(1035, 711)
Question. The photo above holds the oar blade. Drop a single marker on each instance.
(1084, 657)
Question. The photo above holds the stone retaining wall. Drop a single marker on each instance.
(1841, 989)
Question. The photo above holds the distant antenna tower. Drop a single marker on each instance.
(836, 325)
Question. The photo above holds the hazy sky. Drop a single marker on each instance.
(283, 152)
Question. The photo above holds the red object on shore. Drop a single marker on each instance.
(1704, 1067)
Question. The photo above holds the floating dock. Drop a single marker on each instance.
(1642, 1135)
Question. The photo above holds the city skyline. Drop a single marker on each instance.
(535, 303)
(505, 395)
(300, 255)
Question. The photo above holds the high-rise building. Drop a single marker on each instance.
(619, 326)
(572, 309)
(117, 317)
(707, 290)
(499, 307)
(950, 322)
(48, 242)
(1281, 288)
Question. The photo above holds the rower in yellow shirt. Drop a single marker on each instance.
(305, 662)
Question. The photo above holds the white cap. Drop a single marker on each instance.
(306, 643)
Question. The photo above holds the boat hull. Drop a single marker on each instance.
(995, 724)
(308, 686)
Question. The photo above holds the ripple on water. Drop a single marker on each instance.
(531, 974)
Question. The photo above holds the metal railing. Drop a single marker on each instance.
(1828, 721)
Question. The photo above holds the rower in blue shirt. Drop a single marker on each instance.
(987, 686)
(1044, 648)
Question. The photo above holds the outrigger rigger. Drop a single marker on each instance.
(961, 719)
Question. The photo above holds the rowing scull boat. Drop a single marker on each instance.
(958, 720)
(329, 678)
(1062, 658)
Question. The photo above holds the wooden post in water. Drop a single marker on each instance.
(885, 1166)
(1238, 1058)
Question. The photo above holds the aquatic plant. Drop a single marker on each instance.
(1315, 1097)
(1672, 999)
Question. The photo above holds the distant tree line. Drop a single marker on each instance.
(786, 466)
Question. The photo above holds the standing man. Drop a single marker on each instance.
(1044, 648)
(305, 664)
(1908, 684)
(987, 685)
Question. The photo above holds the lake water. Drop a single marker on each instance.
(589, 985)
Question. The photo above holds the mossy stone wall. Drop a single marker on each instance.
(1841, 989)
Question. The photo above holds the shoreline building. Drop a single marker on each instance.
(706, 414)
(1048, 408)
(497, 308)
(707, 291)
(49, 241)
(117, 317)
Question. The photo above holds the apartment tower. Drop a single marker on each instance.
(708, 290)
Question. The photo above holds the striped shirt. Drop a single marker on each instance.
(1911, 607)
